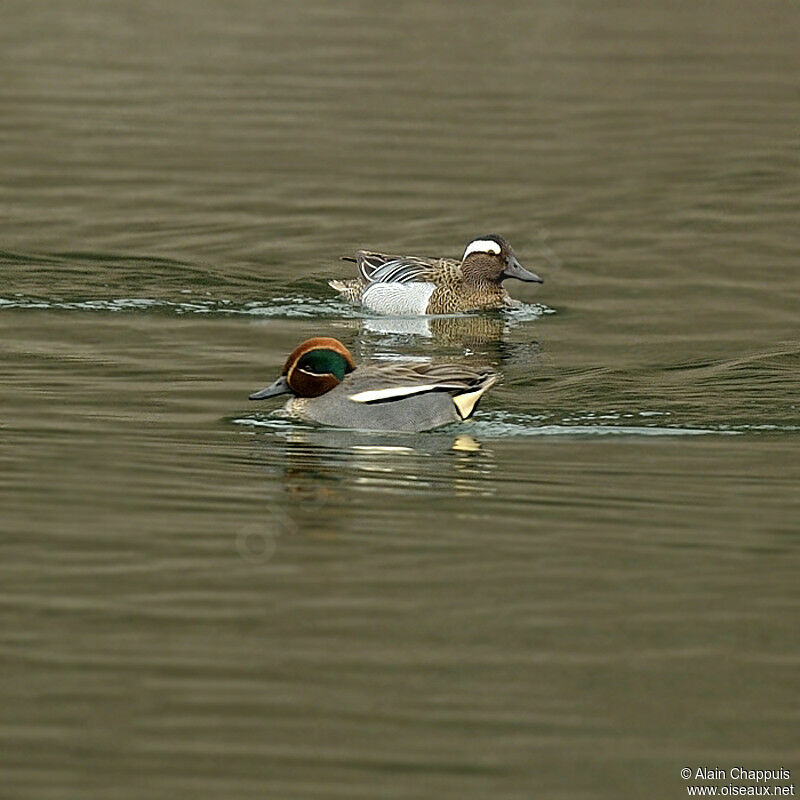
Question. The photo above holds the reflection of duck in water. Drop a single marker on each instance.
(322, 472)
(329, 389)
(390, 284)
(468, 330)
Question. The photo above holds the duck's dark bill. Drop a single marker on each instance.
(515, 270)
(273, 390)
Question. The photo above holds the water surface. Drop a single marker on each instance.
(591, 586)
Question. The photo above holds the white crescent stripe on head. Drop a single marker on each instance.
(482, 246)
(395, 391)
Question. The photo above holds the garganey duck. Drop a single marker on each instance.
(401, 285)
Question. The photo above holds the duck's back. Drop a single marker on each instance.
(406, 285)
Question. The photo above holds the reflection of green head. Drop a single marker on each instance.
(322, 361)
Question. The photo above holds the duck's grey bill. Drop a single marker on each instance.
(515, 270)
(273, 390)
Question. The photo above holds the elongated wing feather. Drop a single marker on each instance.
(367, 262)
(385, 268)
(404, 270)
(379, 383)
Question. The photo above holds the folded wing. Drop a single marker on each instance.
(382, 384)
(384, 268)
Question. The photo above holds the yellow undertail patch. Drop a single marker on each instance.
(465, 403)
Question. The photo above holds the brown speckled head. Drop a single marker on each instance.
(316, 366)
(490, 259)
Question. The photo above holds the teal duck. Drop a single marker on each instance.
(401, 285)
(328, 388)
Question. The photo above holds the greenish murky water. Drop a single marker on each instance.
(588, 588)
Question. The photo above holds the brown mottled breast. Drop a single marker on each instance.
(453, 298)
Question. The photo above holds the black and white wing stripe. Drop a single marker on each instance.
(382, 268)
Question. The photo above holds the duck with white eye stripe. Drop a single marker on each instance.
(400, 285)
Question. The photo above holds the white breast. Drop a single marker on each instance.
(398, 298)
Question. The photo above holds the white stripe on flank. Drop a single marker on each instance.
(371, 395)
(482, 246)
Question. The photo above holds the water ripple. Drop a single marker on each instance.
(504, 425)
(282, 306)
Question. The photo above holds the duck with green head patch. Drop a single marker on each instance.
(410, 285)
(328, 388)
